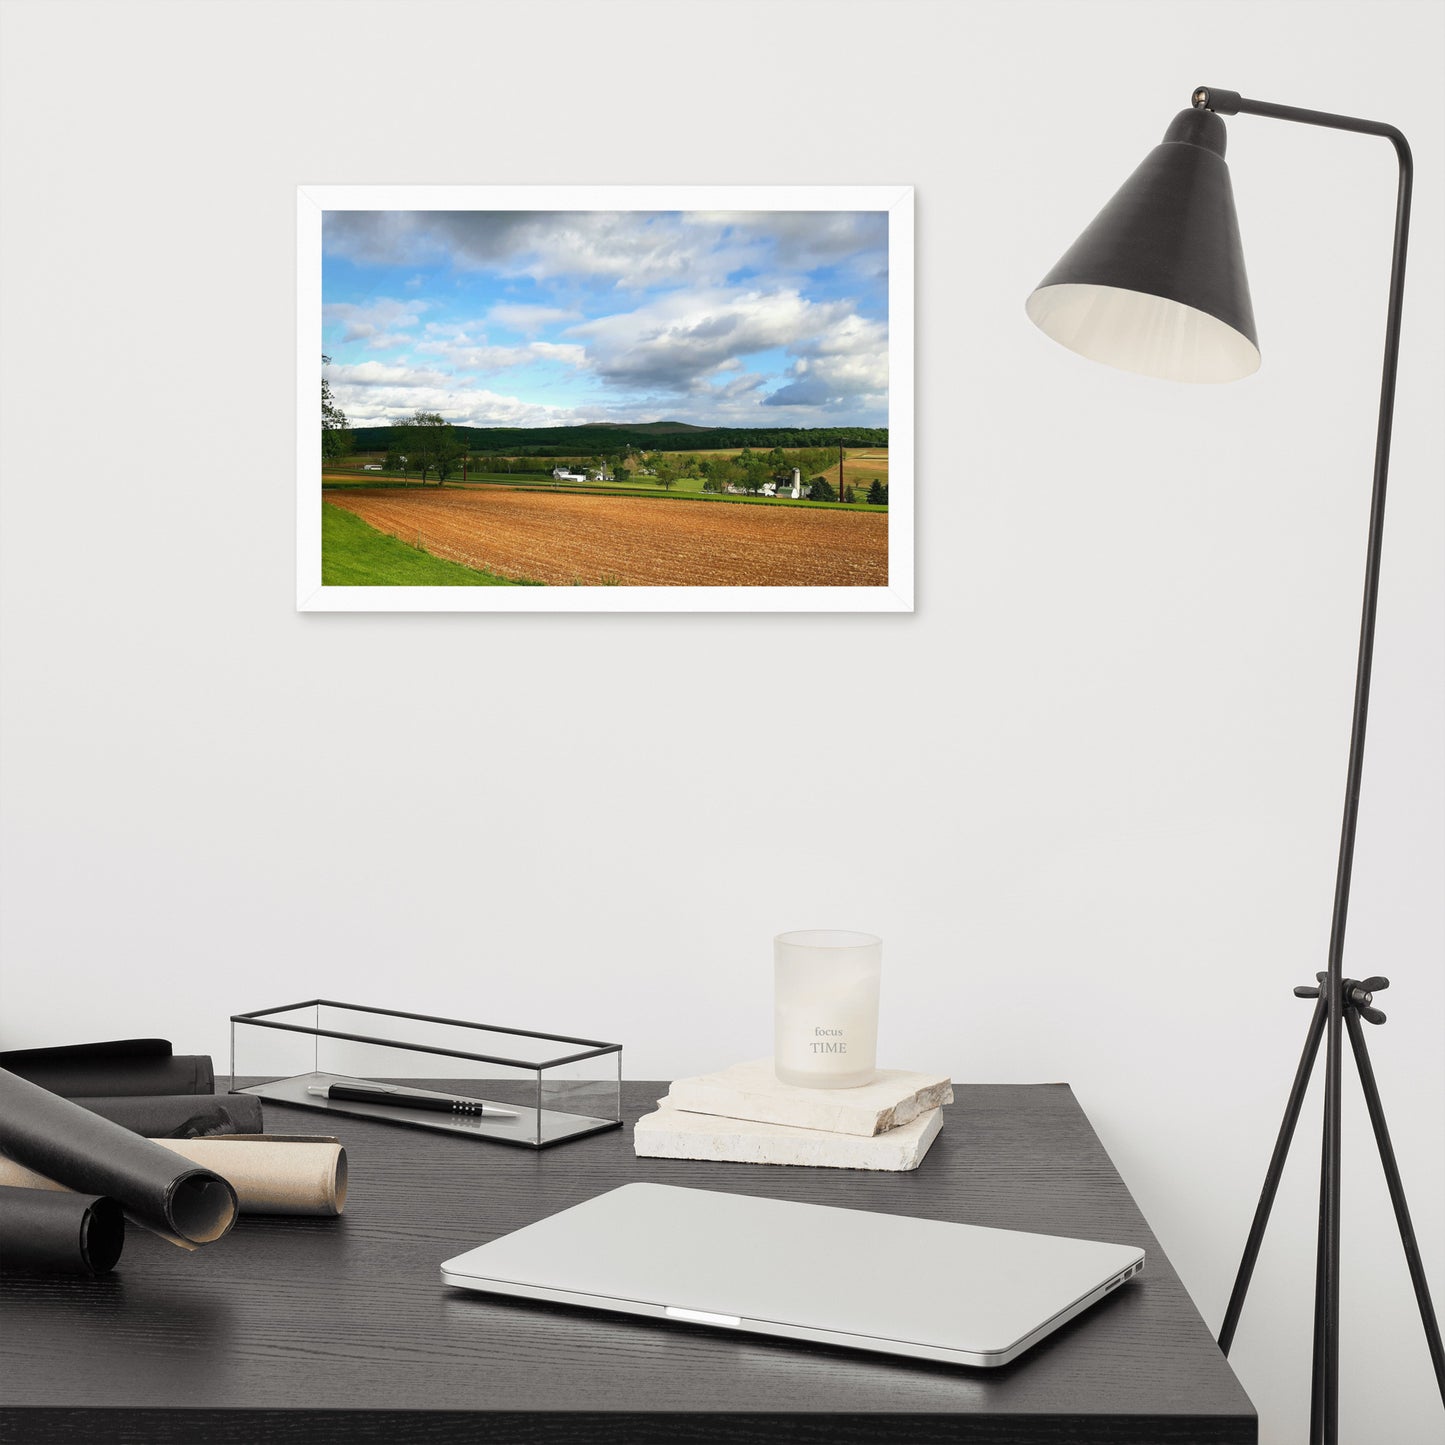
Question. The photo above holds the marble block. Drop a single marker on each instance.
(673, 1133)
(753, 1091)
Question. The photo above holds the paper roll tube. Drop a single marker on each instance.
(271, 1174)
(53, 1233)
(181, 1116)
(190, 1206)
(122, 1066)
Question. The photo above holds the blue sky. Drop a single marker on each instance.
(550, 318)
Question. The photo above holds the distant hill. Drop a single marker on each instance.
(612, 438)
(650, 427)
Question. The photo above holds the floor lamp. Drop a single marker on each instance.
(1157, 285)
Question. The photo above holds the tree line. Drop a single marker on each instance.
(572, 441)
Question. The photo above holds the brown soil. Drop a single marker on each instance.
(559, 538)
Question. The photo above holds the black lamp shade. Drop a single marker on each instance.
(1157, 283)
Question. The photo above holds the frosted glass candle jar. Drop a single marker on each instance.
(825, 1002)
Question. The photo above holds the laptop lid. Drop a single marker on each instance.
(884, 1282)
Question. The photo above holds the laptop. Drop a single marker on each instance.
(895, 1285)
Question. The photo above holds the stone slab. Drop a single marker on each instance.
(753, 1091)
(673, 1133)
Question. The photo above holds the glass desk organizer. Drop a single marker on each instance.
(536, 1089)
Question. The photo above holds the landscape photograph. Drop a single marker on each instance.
(604, 398)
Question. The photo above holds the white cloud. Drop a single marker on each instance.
(457, 347)
(381, 405)
(629, 249)
(376, 373)
(379, 323)
(844, 367)
(529, 320)
(837, 385)
(682, 337)
(682, 341)
(804, 241)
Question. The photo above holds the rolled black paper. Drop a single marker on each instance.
(47, 1231)
(111, 1048)
(181, 1116)
(92, 1155)
(116, 1067)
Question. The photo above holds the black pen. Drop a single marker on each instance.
(404, 1098)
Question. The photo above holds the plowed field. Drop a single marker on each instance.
(632, 541)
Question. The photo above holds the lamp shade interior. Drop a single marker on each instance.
(1156, 283)
(1135, 331)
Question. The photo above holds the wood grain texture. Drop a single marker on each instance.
(339, 1329)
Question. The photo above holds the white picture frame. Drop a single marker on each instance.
(313, 201)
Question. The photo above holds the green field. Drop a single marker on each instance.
(333, 480)
(863, 466)
(355, 555)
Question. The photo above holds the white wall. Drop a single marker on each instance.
(1089, 793)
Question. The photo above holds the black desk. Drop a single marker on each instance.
(339, 1330)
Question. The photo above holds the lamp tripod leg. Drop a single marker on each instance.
(1272, 1176)
(1397, 1196)
(1328, 1282)
(1317, 1353)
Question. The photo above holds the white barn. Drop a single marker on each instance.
(794, 490)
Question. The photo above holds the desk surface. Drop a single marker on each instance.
(346, 1320)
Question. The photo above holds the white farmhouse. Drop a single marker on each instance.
(562, 474)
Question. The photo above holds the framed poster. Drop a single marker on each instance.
(605, 398)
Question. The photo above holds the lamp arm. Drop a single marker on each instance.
(1327, 1313)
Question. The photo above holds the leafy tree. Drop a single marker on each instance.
(875, 493)
(449, 454)
(334, 438)
(820, 489)
(434, 445)
(717, 473)
(405, 447)
(847, 494)
(755, 471)
(666, 472)
(396, 461)
(619, 472)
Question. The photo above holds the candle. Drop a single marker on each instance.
(825, 1020)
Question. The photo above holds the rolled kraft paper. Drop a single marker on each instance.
(274, 1174)
(59, 1233)
(121, 1066)
(271, 1174)
(190, 1206)
(181, 1116)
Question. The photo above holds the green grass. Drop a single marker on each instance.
(632, 484)
(682, 484)
(354, 554)
(609, 489)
